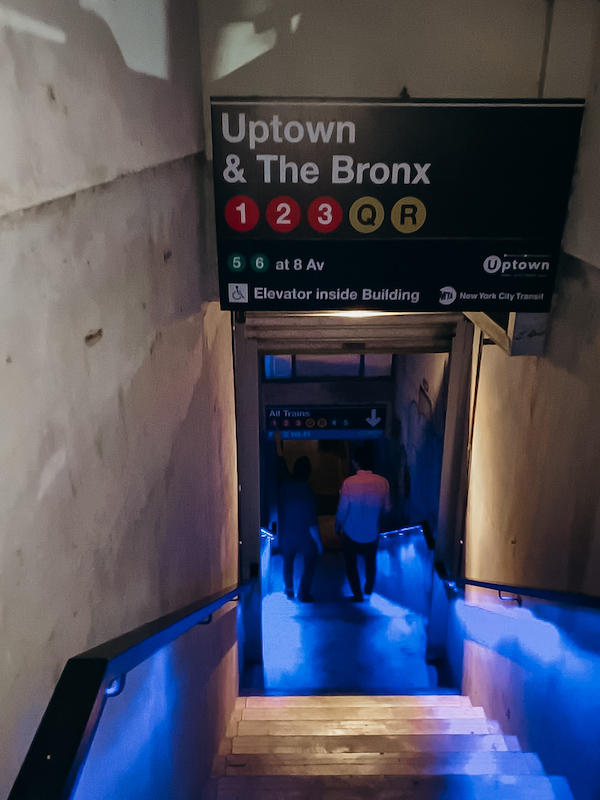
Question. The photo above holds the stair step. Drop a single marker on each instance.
(512, 742)
(535, 765)
(356, 700)
(345, 747)
(412, 743)
(562, 790)
(396, 727)
(378, 712)
(429, 787)
(451, 763)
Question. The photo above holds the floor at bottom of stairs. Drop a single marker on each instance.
(334, 645)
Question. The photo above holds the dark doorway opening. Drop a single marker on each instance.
(332, 645)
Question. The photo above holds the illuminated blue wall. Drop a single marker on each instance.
(158, 738)
(405, 570)
(536, 669)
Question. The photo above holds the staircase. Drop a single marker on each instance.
(380, 748)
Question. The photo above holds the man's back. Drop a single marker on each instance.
(363, 499)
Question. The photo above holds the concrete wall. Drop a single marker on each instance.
(534, 515)
(420, 408)
(118, 494)
(534, 511)
(533, 498)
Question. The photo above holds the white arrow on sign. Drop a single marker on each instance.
(373, 419)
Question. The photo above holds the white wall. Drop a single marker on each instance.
(74, 114)
(463, 48)
(118, 496)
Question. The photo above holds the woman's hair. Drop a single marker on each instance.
(302, 468)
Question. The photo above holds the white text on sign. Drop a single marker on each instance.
(288, 264)
(343, 171)
(258, 131)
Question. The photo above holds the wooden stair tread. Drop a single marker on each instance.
(421, 747)
(363, 727)
(355, 700)
(377, 712)
(414, 743)
(445, 763)
(428, 787)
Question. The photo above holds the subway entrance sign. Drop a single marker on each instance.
(389, 205)
(325, 422)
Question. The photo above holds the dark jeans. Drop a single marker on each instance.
(351, 551)
(310, 555)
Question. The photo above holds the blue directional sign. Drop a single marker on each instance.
(326, 422)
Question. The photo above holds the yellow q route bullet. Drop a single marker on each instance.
(366, 214)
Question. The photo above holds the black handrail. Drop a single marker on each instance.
(58, 751)
(565, 598)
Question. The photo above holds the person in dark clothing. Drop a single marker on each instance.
(299, 529)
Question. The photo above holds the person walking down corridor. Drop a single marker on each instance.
(299, 529)
(364, 498)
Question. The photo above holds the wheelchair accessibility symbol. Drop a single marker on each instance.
(238, 292)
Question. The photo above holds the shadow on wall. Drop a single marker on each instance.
(125, 35)
(93, 91)
(295, 47)
(530, 675)
(284, 41)
(417, 449)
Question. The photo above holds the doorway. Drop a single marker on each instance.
(333, 645)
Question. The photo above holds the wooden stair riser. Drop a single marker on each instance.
(362, 713)
(320, 701)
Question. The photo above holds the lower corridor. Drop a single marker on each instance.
(335, 646)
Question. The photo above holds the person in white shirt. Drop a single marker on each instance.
(364, 498)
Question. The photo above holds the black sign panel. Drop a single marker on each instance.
(420, 206)
(325, 422)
